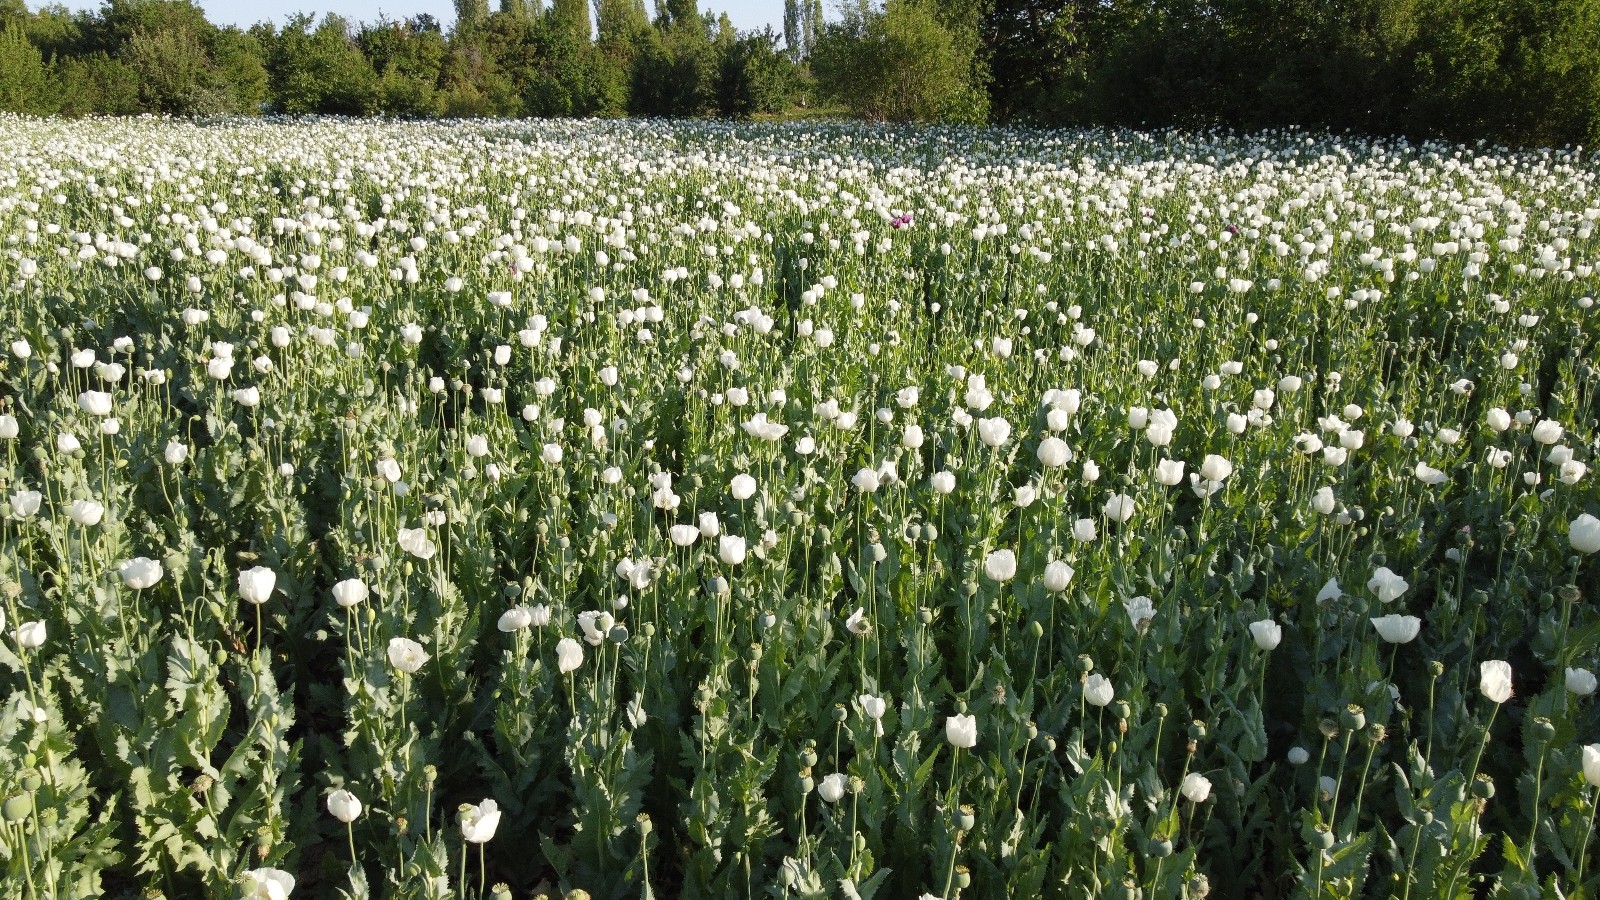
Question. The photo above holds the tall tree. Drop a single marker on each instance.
(471, 13)
(793, 41)
(572, 17)
(21, 72)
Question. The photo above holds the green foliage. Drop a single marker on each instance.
(241, 67)
(1516, 71)
(470, 14)
(175, 74)
(1523, 72)
(571, 17)
(94, 83)
(756, 77)
(408, 59)
(22, 72)
(900, 64)
(675, 72)
(773, 705)
(321, 69)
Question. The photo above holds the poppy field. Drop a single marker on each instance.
(632, 509)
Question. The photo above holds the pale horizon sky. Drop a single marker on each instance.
(747, 15)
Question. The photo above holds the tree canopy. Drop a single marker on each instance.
(1513, 71)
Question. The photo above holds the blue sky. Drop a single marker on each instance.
(746, 14)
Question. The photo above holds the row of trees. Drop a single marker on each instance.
(523, 59)
(1524, 71)
(1521, 71)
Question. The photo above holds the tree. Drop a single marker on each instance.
(172, 70)
(485, 70)
(756, 77)
(58, 31)
(623, 28)
(899, 63)
(321, 70)
(240, 66)
(471, 13)
(792, 41)
(94, 83)
(21, 73)
(572, 16)
(408, 58)
(1036, 51)
(675, 72)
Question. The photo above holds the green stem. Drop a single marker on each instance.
(1338, 784)
(1583, 850)
(1361, 789)
(955, 842)
(1411, 862)
(1455, 870)
(27, 864)
(1538, 779)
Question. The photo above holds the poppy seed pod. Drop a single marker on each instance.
(1353, 718)
(963, 818)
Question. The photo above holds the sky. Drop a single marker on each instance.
(747, 15)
